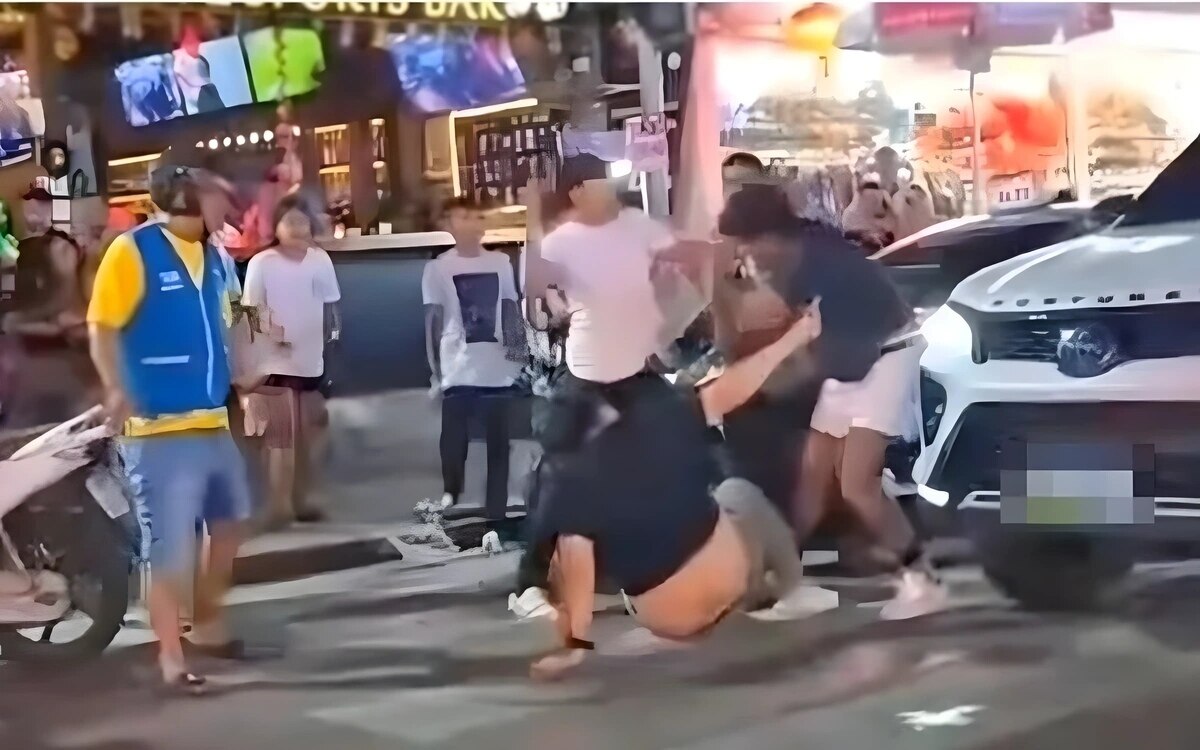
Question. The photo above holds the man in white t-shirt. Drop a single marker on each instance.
(295, 289)
(474, 341)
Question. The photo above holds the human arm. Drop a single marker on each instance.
(741, 380)
(105, 348)
(333, 321)
(331, 295)
(541, 269)
(254, 295)
(512, 326)
(431, 297)
(116, 294)
(573, 591)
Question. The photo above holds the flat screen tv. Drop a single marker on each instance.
(149, 90)
(211, 75)
(284, 62)
(455, 67)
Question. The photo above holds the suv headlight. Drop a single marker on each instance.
(946, 330)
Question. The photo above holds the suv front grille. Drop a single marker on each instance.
(1153, 332)
(973, 460)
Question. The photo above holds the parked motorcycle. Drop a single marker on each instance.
(67, 542)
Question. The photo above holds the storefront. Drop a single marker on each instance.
(1091, 99)
(386, 113)
(22, 114)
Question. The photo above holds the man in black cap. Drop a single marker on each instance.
(594, 275)
(624, 485)
(158, 319)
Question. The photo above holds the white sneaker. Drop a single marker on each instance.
(803, 601)
(447, 500)
(530, 604)
(917, 595)
(491, 543)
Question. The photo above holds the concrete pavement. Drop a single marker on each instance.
(421, 654)
(382, 461)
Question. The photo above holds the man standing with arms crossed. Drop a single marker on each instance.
(158, 321)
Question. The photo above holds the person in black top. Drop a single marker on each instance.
(625, 490)
(865, 365)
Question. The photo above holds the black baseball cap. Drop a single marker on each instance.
(37, 193)
(175, 190)
(578, 169)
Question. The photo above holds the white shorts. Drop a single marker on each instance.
(886, 400)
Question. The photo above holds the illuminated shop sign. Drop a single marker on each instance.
(496, 12)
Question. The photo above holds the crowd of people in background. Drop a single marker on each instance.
(688, 451)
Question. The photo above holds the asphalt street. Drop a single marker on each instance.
(423, 654)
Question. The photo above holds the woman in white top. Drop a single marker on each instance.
(295, 289)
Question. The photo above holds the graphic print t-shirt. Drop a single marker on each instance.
(470, 292)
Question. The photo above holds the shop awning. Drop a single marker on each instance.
(920, 28)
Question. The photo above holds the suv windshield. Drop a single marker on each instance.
(1171, 197)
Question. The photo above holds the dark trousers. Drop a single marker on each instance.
(461, 404)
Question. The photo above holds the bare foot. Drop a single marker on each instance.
(555, 666)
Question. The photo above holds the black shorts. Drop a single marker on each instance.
(295, 382)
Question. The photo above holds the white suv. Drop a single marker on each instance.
(1061, 402)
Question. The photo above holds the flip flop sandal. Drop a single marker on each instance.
(186, 685)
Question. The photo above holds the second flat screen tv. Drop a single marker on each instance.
(452, 67)
(284, 62)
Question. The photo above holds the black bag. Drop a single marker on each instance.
(33, 278)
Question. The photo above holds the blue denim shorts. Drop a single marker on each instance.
(179, 482)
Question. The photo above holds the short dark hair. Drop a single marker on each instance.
(579, 169)
(755, 210)
(297, 202)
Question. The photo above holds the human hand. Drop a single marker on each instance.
(530, 195)
(117, 408)
(808, 326)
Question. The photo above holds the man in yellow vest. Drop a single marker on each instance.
(158, 320)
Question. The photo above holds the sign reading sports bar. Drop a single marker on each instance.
(495, 12)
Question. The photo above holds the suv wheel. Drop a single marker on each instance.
(1055, 572)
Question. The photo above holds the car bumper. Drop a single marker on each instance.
(975, 415)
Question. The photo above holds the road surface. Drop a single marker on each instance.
(416, 655)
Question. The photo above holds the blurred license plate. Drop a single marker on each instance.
(1078, 485)
(1076, 511)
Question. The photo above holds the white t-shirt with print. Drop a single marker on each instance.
(615, 318)
(292, 295)
(470, 291)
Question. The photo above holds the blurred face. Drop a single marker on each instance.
(594, 198)
(294, 227)
(37, 217)
(465, 225)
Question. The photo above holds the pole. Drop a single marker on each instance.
(650, 82)
(978, 189)
(1077, 126)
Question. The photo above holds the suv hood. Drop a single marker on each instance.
(1118, 267)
